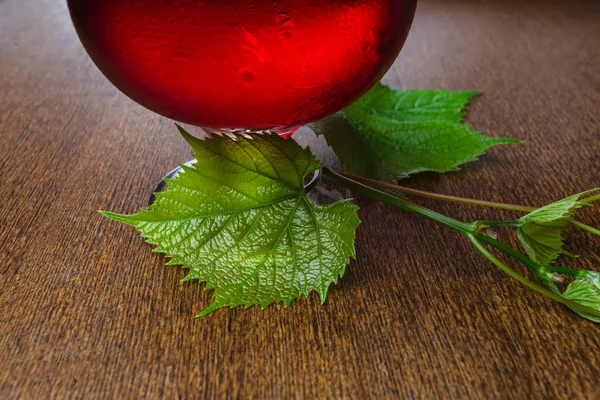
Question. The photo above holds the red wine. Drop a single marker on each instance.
(251, 64)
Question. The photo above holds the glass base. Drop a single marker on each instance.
(160, 186)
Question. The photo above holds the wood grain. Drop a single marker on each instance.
(88, 311)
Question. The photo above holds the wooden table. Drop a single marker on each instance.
(87, 310)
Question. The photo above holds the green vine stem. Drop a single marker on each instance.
(436, 196)
(565, 271)
(528, 283)
(406, 205)
(591, 199)
(463, 200)
(585, 227)
(497, 224)
(470, 230)
(528, 262)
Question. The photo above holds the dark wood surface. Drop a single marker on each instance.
(88, 311)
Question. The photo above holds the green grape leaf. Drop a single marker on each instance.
(240, 221)
(411, 105)
(585, 291)
(390, 134)
(541, 231)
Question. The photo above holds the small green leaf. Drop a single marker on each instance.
(390, 134)
(541, 230)
(239, 220)
(585, 291)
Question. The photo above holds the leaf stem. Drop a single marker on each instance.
(528, 283)
(586, 227)
(541, 270)
(528, 262)
(565, 271)
(406, 205)
(464, 200)
(436, 196)
(498, 224)
(590, 199)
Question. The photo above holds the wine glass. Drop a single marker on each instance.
(243, 65)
